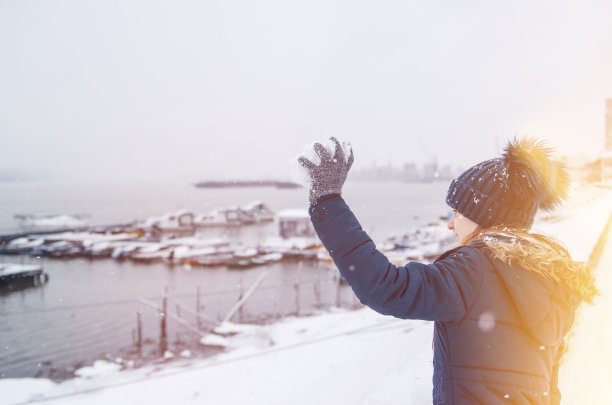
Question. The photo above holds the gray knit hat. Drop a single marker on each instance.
(509, 190)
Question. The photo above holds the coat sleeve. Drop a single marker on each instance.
(443, 291)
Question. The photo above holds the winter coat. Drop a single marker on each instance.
(499, 328)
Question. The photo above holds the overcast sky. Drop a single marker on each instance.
(234, 89)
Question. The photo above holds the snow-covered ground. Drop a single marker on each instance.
(337, 357)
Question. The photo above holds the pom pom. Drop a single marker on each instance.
(532, 172)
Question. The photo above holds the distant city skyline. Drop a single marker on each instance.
(190, 91)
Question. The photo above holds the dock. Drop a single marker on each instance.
(21, 275)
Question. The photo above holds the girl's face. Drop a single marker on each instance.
(461, 226)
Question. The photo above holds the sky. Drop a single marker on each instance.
(200, 90)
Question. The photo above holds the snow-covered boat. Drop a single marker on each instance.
(258, 211)
(213, 259)
(252, 213)
(257, 260)
(422, 243)
(13, 276)
(232, 216)
(22, 245)
(44, 222)
(152, 252)
(181, 221)
(295, 234)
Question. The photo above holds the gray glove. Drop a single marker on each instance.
(330, 175)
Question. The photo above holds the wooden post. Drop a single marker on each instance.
(139, 333)
(317, 292)
(338, 291)
(296, 287)
(199, 325)
(246, 296)
(163, 339)
(240, 311)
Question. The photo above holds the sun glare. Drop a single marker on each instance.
(586, 370)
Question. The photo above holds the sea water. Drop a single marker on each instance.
(88, 309)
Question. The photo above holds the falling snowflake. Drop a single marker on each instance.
(486, 321)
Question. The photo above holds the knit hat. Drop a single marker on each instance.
(509, 190)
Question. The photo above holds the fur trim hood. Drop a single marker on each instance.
(545, 284)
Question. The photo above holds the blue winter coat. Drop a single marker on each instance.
(498, 334)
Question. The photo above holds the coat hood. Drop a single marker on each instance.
(545, 284)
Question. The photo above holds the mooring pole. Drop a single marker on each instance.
(139, 333)
(296, 287)
(198, 307)
(317, 292)
(338, 291)
(163, 339)
(240, 311)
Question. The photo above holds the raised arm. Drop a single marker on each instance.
(442, 291)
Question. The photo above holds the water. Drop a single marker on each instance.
(88, 309)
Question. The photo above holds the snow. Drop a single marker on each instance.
(86, 237)
(580, 222)
(293, 213)
(42, 222)
(336, 357)
(14, 268)
(299, 174)
(297, 360)
(99, 368)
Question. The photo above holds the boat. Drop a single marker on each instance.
(258, 211)
(257, 260)
(214, 259)
(232, 216)
(254, 212)
(152, 252)
(295, 223)
(181, 222)
(16, 276)
(422, 243)
(23, 245)
(45, 222)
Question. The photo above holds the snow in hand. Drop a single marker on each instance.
(299, 174)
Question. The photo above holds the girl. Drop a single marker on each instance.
(502, 302)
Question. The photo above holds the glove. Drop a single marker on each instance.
(328, 177)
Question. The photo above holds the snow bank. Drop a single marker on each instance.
(99, 368)
(301, 361)
(580, 222)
